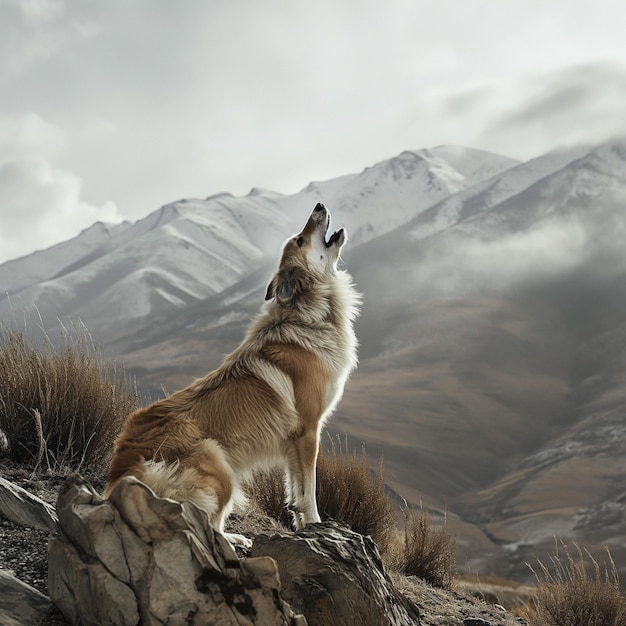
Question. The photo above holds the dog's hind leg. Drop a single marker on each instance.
(302, 460)
(204, 476)
(234, 538)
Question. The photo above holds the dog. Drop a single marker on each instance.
(266, 404)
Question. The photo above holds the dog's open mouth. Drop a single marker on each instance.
(321, 217)
(334, 238)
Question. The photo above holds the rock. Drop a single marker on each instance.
(26, 509)
(335, 576)
(139, 558)
(19, 603)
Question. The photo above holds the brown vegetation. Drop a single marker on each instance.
(350, 491)
(347, 491)
(573, 590)
(429, 553)
(60, 409)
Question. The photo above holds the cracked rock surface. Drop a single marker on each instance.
(24, 564)
(138, 558)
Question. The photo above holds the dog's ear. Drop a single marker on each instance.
(286, 285)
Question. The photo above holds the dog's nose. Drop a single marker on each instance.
(319, 207)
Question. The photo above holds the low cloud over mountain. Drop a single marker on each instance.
(493, 341)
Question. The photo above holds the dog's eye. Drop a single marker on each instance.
(300, 241)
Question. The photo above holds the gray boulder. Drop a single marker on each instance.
(139, 558)
(20, 604)
(334, 575)
(26, 509)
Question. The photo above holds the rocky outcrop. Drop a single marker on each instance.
(26, 509)
(170, 563)
(139, 558)
(136, 557)
(335, 576)
(19, 603)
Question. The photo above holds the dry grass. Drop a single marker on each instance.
(573, 590)
(511, 594)
(426, 552)
(348, 490)
(60, 409)
(352, 492)
(267, 495)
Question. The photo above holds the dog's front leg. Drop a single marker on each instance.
(302, 460)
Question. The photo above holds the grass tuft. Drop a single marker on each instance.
(348, 490)
(60, 409)
(573, 590)
(351, 491)
(426, 552)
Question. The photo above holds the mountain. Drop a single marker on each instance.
(493, 336)
(494, 356)
(394, 191)
(181, 253)
(113, 278)
(44, 265)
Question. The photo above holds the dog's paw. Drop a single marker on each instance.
(239, 540)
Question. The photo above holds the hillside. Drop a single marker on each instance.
(493, 340)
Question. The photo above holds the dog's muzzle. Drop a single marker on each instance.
(321, 216)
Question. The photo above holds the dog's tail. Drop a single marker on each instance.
(202, 475)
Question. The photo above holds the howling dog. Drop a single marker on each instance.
(266, 404)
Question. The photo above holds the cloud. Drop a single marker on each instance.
(38, 10)
(40, 203)
(30, 31)
(464, 261)
(549, 249)
(581, 104)
(27, 136)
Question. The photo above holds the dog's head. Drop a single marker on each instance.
(308, 258)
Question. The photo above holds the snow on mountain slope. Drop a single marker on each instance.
(588, 193)
(394, 191)
(190, 249)
(535, 222)
(491, 192)
(475, 165)
(43, 265)
(183, 252)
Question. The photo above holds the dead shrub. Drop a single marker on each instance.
(60, 408)
(573, 590)
(267, 494)
(348, 490)
(426, 552)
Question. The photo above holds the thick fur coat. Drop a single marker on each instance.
(266, 404)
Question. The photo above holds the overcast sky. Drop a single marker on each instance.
(110, 109)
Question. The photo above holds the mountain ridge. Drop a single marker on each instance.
(492, 337)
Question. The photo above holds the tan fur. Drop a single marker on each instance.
(267, 402)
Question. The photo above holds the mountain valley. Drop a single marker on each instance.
(493, 330)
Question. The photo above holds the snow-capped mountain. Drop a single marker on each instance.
(181, 253)
(113, 277)
(395, 191)
(490, 193)
(44, 265)
(492, 336)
